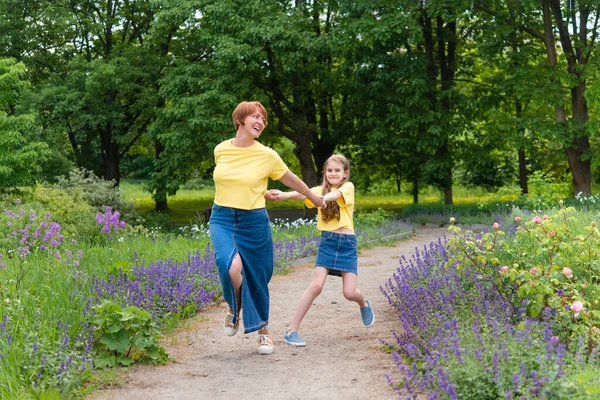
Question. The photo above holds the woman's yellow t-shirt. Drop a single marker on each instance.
(241, 174)
(346, 203)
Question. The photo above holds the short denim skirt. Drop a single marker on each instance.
(338, 253)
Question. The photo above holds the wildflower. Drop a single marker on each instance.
(577, 307)
(567, 272)
(504, 268)
(518, 219)
(537, 220)
(496, 225)
(554, 340)
(533, 271)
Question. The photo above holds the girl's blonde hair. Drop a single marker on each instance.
(246, 108)
(332, 211)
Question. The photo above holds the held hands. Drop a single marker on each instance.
(274, 195)
(318, 200)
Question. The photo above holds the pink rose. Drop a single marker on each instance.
(496, 225)
(537, 220)
(452, 220)
(577, 307)
(533, 271)
(504, 268)
(518, 219)
(553, 234)
(560, 202)
(567, 272)
(545, 216)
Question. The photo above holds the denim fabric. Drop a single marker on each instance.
(247, 232)
(338, 252)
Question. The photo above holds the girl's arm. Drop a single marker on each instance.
(293, 182)
(332, 196)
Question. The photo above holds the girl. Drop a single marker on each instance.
(239, 225)
(337, 254)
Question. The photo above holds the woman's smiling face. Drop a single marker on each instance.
(254, 124)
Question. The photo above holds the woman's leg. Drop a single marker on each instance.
(350, 291)
(309, 295)
(235, 274)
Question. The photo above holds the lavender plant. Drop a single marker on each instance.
(465, 336)
(552, 261)
(165, 287)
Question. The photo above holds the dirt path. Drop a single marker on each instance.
(342, 359)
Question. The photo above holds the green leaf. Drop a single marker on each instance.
(118, 341)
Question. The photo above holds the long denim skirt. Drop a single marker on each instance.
(338, 253)
(247, 232)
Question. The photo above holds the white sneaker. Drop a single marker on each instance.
(265, 344)
(228, 327)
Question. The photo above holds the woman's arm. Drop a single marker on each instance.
(278, 195)
(293, 182)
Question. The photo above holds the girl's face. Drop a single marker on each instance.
(335, 173)
(254, 124)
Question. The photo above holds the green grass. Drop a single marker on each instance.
(187, 206)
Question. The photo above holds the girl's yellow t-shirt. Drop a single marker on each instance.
(241, 174)
(346, 203)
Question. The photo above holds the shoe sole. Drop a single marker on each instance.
(265, 351)
(229, 331)
(295, 344)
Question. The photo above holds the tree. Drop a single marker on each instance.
(575, 25)
(19, 159)
(284, 58)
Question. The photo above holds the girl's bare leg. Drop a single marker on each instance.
(309, 295)
(350, 291)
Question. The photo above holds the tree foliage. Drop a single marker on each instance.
(19, 158)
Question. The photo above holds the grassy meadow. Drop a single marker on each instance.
(86, 288)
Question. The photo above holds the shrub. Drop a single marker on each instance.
(97, 192)
(552, 260)
(70, 211)
(462, 338)
(124, 335)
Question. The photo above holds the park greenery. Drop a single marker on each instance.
(418, 94)
(452, 112)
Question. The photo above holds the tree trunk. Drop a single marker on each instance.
(580, 169)
(415, 188)
(521, 149)
(160, 196)
(110, 162)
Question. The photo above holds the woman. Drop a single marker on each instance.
(239, 225)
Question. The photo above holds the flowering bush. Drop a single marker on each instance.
(466, 334)
(552, 260)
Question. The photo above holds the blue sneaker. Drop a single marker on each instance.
(367, 314)
(294, 339)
